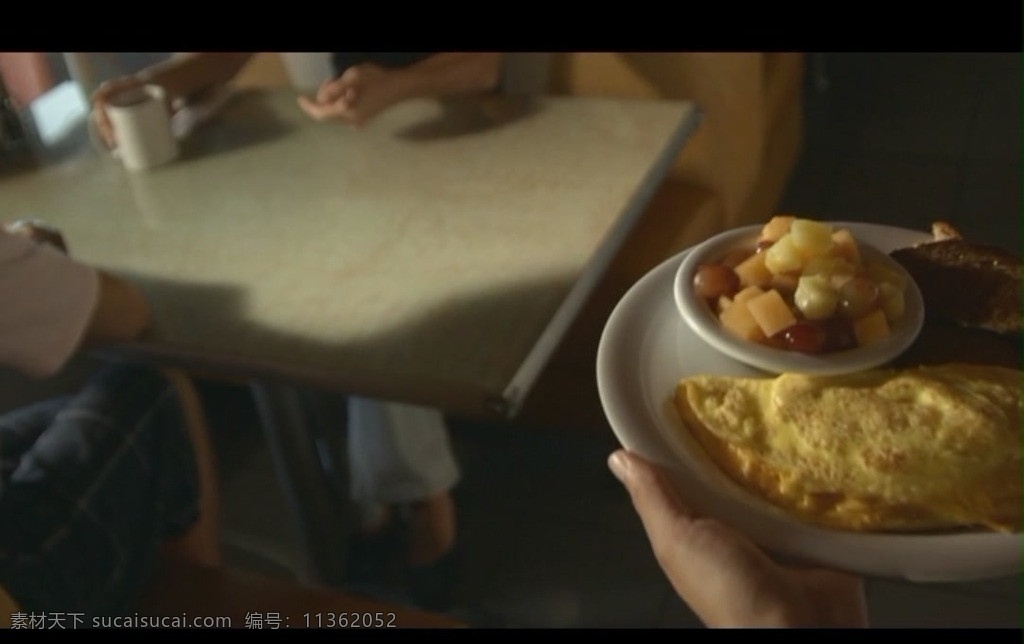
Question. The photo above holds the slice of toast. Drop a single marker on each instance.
(974, 285)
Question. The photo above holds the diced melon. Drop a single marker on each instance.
(752, 271)
(811, 238)
(746, 293)
(871, 328)
(783, 256)
(724, 302)
(738, 321)
(771, 312)
(846, 246)
(776, 227)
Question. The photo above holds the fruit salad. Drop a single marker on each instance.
(805, 287)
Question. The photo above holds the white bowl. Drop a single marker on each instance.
(696, 313)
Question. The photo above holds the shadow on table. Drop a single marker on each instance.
(421, 360)
(193, 302)
(240, 123)
(34, 154)
(14, 162)
(424, 359)
(464, 117)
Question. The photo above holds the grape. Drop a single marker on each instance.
(839, 335)
(857, 296)
(805, 337)
(814, 297)
(714, 280)
(777, 341)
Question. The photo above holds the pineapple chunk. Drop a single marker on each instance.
(776, 227)
(871, 328)
(752, 271)
(738, 321)
(830, 265)
(845, 246)
(771, 312)
(837, 270)
(783, 256)
(811, 238)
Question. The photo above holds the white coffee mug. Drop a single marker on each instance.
(142, 127)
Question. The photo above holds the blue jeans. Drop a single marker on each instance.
(90, 485)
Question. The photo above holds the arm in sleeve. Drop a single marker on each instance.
(51, 306)
(456, 73)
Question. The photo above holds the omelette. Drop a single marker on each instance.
(931, 448)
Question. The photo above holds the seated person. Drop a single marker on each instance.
(401, 464)
(96, 486)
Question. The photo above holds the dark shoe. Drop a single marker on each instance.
(433, 586)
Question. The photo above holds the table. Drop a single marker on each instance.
(435, 257)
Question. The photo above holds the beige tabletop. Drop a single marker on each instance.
(435, 256)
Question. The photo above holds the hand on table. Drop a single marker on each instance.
(358, 95)
(725, 578)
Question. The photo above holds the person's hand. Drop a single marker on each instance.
(359, 94)
(725, 578)
(38, 232)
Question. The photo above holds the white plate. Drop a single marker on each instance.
(646, 348)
